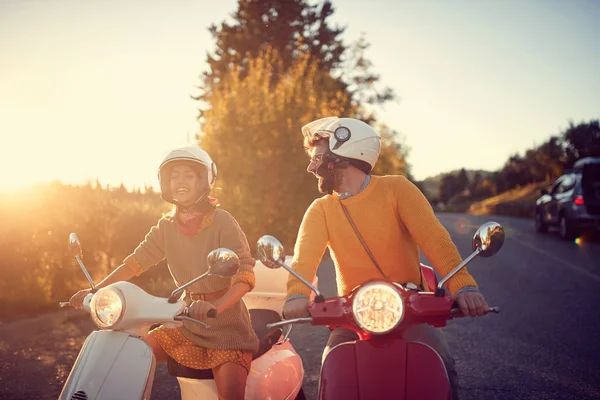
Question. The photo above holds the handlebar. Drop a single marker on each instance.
(85, 305)
(456, 312)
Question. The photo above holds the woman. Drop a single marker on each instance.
(184, 238)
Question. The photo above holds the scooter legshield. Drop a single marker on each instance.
(111, 365)
(392, 369)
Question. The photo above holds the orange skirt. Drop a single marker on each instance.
(182, 350)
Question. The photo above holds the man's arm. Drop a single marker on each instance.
(430, 235)
(309, 249)
(435, 242)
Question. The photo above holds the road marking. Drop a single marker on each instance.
(563, 262)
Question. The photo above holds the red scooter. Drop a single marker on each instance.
(382, 364)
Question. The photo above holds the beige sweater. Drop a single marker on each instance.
(186, 258)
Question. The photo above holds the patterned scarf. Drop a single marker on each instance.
(188, 221)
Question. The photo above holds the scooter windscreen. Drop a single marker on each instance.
(111, 365)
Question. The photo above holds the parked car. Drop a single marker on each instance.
(573, 202)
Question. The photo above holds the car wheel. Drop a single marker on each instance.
(540, 225)
(565, 228)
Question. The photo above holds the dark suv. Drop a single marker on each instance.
(573, 202)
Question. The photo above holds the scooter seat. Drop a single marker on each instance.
(266, 340)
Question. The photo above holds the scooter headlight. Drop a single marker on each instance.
(107, 307)
(378, 307)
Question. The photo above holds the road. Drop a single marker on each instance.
(543, 345)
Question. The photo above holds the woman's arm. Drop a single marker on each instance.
(233, 295)
(121, 273)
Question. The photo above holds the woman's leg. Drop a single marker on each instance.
(159, 353)
(231, 381)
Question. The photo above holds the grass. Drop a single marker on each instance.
(519, 202)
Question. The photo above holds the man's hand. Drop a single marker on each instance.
(472, 303)
(296, 308)
(199, 309)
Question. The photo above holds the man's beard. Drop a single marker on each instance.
(324, 183)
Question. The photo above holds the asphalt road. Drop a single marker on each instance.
(543, 345)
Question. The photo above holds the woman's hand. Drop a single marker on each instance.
(199, 309)
(77, 299)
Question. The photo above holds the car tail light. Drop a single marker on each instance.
(578, 200)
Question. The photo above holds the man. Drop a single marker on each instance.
(393, 220)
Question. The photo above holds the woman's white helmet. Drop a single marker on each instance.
(348, 137)
(191, 154)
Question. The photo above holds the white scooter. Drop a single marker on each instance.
(115, 362)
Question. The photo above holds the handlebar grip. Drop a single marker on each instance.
(456, 312)
(64, 304)
(212, 313)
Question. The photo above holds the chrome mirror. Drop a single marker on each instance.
(270, 251)
(77, 254)
(489, 238)
(75, 246)
(223, 262)
(487, 241)
(271, 254)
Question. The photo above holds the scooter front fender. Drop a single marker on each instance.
(277, 374)
(393, 369)
(111, 365)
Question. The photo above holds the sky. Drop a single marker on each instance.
(102, 89)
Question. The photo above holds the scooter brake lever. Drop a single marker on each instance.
(64, 304)
(186, 318)
(290, 321)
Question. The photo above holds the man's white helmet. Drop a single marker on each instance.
(348, 137)
(191, 154)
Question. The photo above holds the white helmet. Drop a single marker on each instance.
(191, 154)
(348, 137)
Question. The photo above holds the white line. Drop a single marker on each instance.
(566, 263)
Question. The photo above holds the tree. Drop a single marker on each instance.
(448, 188)
(392, 159)
(582, 140)
(276, 67)
(295, 29)
(462, 180)
(252, 131)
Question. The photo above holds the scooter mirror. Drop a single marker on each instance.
(77, 254)
(270, 251)
(223, 262)
(489, 238)
(75, 246)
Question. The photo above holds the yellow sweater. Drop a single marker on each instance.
(394, 219)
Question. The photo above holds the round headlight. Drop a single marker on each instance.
(378, 307)
(107, 307)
